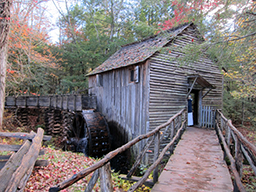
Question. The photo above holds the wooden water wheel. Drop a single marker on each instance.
(91, 133)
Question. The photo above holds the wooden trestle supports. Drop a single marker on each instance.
(15, 173)
(176, 129)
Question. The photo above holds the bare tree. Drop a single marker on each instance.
(4, 30)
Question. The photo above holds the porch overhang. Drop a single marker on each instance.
(198, 80)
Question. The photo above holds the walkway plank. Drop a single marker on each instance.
(196, 166)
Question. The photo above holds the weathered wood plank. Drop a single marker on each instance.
(44, 101)
(196, 165)
(9, 147)
(14, 148)
(22, 135)
(10, 101)
(12, 164)
(78, 103)
(247, 156)
(156, 154)
(105, 178)
(92, 181)
(71, 102)
(27, 163)
(32, 101)
(38, 163)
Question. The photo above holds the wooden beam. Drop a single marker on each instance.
(92, 181)
(206, 93)
(38, 163)
(156, 154)
(105, 178)
(10, 147)
(22, 135)
(247, 156)
(28, 161)
(12, 164)
(15, 148)
(191, 87)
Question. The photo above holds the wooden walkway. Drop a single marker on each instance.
(196, 166)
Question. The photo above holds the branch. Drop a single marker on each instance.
(238, 38)
(251, 13)
(226, 41)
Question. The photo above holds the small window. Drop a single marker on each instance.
(99, 79)
(131, 75)
(135, 74)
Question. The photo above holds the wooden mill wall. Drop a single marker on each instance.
(123, 102)
(168, 80)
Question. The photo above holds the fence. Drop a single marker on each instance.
(236, 147)
(208, 116)
(16, 170)
(102, 168)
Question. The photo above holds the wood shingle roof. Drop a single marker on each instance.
(139, 51)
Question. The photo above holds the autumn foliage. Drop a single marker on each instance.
(188, 11)
(29, 48)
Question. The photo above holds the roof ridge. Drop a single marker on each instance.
(156, 35)
(139, 51)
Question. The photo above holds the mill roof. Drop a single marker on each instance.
(139, 51)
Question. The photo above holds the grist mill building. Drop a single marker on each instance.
(143, 84)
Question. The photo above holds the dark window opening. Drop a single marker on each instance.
(131, 75)
(99, 79)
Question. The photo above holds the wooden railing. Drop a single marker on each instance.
(236, 148)
(172, 129)
(16, 169)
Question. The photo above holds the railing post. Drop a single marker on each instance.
(92, 181)
(227, 134)
(174, 126)
(171, 136)
(156, 154)
(239, 157)
(221, 123)
(105, 178)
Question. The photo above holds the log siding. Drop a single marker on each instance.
(122, 101)
(161, 91)
(168, 80)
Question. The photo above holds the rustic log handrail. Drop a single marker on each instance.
(18, 168)
(158, 160)
(22, 135)
(239, 135)
(243, 148)
(121, 149)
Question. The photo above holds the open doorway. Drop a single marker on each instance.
(195, 106)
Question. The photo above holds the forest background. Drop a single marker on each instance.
(90, 31)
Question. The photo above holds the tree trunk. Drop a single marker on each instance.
(4, 30)
(3, 52)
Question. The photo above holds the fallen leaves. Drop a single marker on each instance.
(62, 165)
